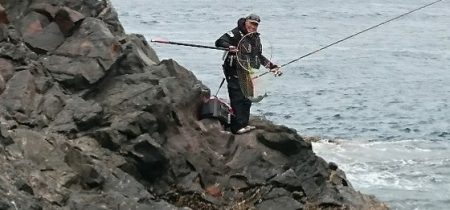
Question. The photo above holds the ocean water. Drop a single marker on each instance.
(379, 101)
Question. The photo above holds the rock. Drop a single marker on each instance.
(149, 55)
(5, 139)
(3, 16)
(333, 166)
(6, 69)
(47, 39)
(151, 160)
(19, 52)
(108, 14)
(4, 35)
(288, 180)
(66, 19)
(46, 9)
(276, 193)
(2, 84)
(77, 115)
(51, 106)
(47, 190)
(75, 74)
(93, 40)
(214, 191)
(33, 145)
(286, 144)
(284, 202)
(33, 24)
(19, 94)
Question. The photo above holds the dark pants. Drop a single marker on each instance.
(239, 103)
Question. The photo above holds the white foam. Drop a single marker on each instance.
(409, 165)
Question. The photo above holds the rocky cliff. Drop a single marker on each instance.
(90, 118)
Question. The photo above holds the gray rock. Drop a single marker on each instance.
(47, 39)
(18, 52)
(46, 9)
(78, 115)
(286, 144)
(4, 35)
(19, 94)
(2, 84)
(32, 24)
(285, 203)
(92, 39)
(51, 106)
(33, 145)
(76, 74)
(6, 69)
(5, 139)
(288, 180)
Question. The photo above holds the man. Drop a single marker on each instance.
(233, 70)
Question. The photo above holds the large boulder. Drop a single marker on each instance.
(92, 40)
(47, 39)
(19, 95)
(74, 73)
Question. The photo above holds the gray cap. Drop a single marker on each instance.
(253, 18)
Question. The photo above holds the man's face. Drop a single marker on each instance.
(251, 26)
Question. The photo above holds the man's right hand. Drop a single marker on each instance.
(233, 49)
(276, 71)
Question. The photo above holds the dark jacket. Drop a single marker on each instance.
(232, 38)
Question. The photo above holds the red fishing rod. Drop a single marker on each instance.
(189, 45)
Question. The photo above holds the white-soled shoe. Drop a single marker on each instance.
(250, 127)
(243, 130)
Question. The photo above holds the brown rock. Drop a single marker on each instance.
(214, 191)
(48, 39)
(32, 24)
(67, 18)
(3, 16)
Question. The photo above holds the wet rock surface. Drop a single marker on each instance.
(90, 118)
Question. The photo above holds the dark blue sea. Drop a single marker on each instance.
(379, 101)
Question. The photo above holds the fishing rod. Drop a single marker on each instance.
(189, 45)
(353, 35)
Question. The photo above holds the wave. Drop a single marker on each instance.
(398, 171)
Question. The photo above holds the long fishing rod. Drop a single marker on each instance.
(353, 35)
(189, 45)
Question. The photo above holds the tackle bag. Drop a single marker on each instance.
(216, 109)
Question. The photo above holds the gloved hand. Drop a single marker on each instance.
(276, 70)
(233, 49)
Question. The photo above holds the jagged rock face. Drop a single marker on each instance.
(90, 118)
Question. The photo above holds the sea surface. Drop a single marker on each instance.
(379, 101)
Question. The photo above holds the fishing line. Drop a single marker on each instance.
(351, 36)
